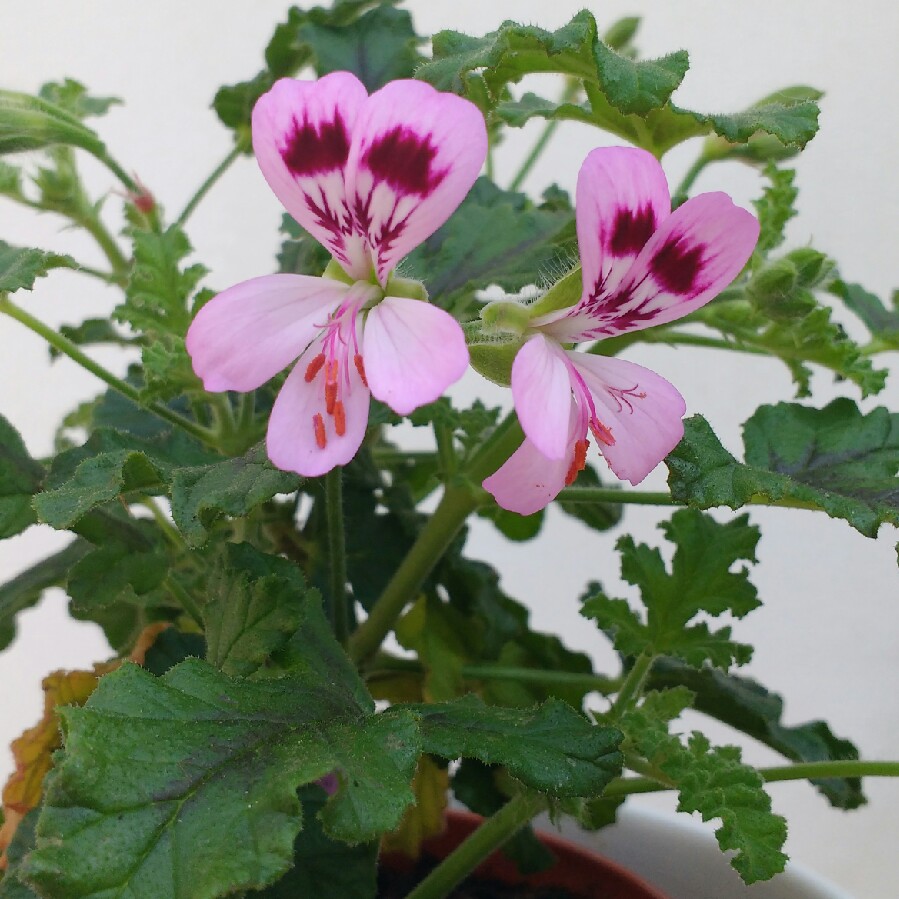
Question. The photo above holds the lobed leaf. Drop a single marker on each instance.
(20, 267)
(701, 580)
(215, 807)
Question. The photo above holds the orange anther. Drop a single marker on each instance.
(319, 424)
(330, 396)
(360, 367)
(314, 367)
(602, 433)
(578, 462)
(339, 419)
(331, 373)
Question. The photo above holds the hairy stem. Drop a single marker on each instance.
(633, 685)
(68, 348)
(490, 836)
(205, 187)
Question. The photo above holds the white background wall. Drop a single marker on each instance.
(827, 634)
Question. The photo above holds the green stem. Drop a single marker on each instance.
(680, 195)
(68, 348)
(490, 836)
(388, 666)
(91, 223)
(571, 91)
(625, 786)
(187, 601)
(205, 187)
(456, 504)
(460, 498)
(446, 452)
(337, 553)
(633, 684)
(169, 531)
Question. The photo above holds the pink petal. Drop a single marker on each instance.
(302, 131)
(622, 196)
(412, 352)
(415, 154)
(292, 442)
(528, 480)
(541, 387)
(696, 252)
(641, 409)
(248, 333)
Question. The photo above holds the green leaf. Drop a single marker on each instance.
(27, 588)
(775, 208)
(109, 464)
(213, 809)
(325, 868)
(511, 525)
(168, 371)
(255, 603)
(72, 96)
(20, 479)
(883, 323)
(494, 237)
(202, 494)
(701, 580)
(639, 86)
(747, 706)
(835, 459)
(301, 254)
(92, 331)
(627, 97)
(551, 748)
(20, 267)
(116, 573)
(11, 181)
(377, 46)
(714, 782)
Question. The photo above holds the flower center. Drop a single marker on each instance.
(339, 342)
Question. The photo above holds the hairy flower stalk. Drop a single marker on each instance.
(370, 177)
(641, 265)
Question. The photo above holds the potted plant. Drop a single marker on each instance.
(310, 657)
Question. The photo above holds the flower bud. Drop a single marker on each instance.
(30, 123)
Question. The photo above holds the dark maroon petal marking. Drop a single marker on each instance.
(311, 152)
(631, 231)
(404, 160)
(676, 265)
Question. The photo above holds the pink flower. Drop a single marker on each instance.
(370, 177)
(642, 265)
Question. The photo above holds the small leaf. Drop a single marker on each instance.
(550, 748)
(20, 267)
(639, 86)
(775, 208)
(701, 580)
(72, 96)
(714, 782)
(883, 323)
(598, 516)
(747, 706)
(255, 603)
(835, 459)
(214, 809)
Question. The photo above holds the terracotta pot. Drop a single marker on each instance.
(582, 872)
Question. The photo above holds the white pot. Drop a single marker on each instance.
(680, 857)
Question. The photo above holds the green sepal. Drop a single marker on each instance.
(565, 293)
(32, 123)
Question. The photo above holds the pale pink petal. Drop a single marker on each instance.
(622, 197)
(541, 387)
(292, 442)
(641, 409)
(412, 352)
(696, 252)
(302, 131)
(415, 154)
(528, 481)
(248, 333)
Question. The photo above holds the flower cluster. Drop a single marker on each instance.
(371, 177)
